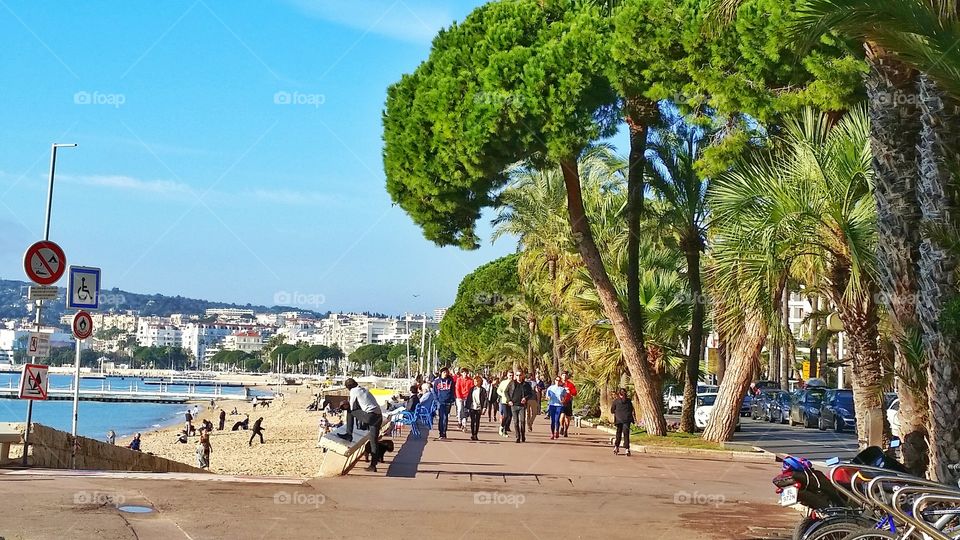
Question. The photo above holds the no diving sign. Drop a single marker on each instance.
(33, 382)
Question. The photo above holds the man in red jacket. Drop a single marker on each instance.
(568, 402)
(462, 389)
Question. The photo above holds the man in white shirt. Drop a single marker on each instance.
(363, 408)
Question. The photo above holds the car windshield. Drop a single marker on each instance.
(706, 400)
(845, 400)
(815, 396)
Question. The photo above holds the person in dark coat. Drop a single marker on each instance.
(223, 419)
(623, 416)
(518, 393)
(475, 403)
(257, 430)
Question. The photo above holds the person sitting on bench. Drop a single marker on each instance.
(363, 408)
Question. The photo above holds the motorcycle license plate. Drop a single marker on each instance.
(788, 497)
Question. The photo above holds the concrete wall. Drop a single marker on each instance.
(50, 448)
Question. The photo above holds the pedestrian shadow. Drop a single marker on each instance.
(406, 462)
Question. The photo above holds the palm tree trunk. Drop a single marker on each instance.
(773, 369)
(639, 114)
(937, 271)
(744, 358)
(861, 322)
(894, 137)
(555, 319)
(696, 338)
(634, 353)
(532, 331)
(786, 338)
(606, 399)
(814, 328)
(721, 357)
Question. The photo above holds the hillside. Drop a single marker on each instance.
(13, 300)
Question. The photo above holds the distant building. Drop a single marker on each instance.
(197, 337)
(158, 333)
(439, 313)
(249, 341)
(231, 314)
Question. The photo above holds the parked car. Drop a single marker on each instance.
(778, 409)
(805, 407)
(673, 395)
(704, 410)
(837, 411)
(746, 404)
(893, 416)
(760, 408)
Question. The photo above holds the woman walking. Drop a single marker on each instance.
(556, 394)
(203, 450)
(475, 403)
(493, 399)
(623, 416)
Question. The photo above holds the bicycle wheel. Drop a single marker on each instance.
(800, 531)
(871, 535)
(838, 528)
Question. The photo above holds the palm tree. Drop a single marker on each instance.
(809, 204)
(682, 220)
(533, 210)
(913, 86)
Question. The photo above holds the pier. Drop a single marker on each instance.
(133, 395)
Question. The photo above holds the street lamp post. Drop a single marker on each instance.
(46, 237)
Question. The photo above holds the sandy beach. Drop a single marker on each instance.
(290, 435)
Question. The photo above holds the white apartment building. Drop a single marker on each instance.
(249, 341)
(438, 314)
(198, 337)
(156, 332)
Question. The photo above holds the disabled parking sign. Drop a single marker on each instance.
(84, 288)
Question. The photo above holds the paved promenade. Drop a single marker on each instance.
(571, 488)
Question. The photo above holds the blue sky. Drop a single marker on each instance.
(227, 150)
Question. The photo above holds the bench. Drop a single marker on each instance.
(10, 433)
(339, 455)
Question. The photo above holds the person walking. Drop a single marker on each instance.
(223, 420)
(111, 437)
(519, 393)
(533, 406)
(443, 387)
(556, 395)
(505, 413)
(493, 399)
(568, 402)
(623, 416)
(475, 403)
(204, 449)
(363, 407)
(257, 430)
(463, 386)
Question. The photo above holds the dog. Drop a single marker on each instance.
(384, 446)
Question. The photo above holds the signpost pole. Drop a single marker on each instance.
(46, 237)
(76, 403)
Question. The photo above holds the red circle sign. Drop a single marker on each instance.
(82, 325)
(44, 263)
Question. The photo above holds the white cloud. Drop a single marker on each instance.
(407, 20)
(129, 183)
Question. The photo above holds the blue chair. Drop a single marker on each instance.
(426, 415)
(407, 418)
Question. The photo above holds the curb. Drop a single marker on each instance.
(756, 456)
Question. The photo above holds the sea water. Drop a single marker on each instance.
(96, 418)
